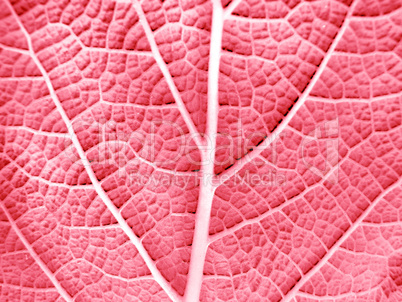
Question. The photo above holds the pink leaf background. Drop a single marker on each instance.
(197, 150)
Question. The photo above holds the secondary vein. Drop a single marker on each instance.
(36, 257)
(97, 186)
(290, 295)
(168, 77)
(300, 102)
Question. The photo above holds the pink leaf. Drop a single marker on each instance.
(201, 150)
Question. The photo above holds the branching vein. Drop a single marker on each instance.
(105, 198)
(162, 65)
(300, 102)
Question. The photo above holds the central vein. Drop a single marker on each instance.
(207, 188)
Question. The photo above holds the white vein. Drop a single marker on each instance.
(207, 189)
(293, 292)
(299, 103)
(168, 77)
(231, 7)
(111, 276)
(109, 204)
(286, 203)
(373, 99)
(14, 49)
(19, 79)
(92, 228)
(125, 149)
(357, 253)
(27, 288)
(100, 49)
(335, 298)
(36, 257)
(46, 181)
(39, 132)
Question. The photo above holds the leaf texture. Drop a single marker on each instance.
(201, 150)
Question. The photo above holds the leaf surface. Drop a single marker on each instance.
(201, 150)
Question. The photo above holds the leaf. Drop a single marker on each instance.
(201, 150)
